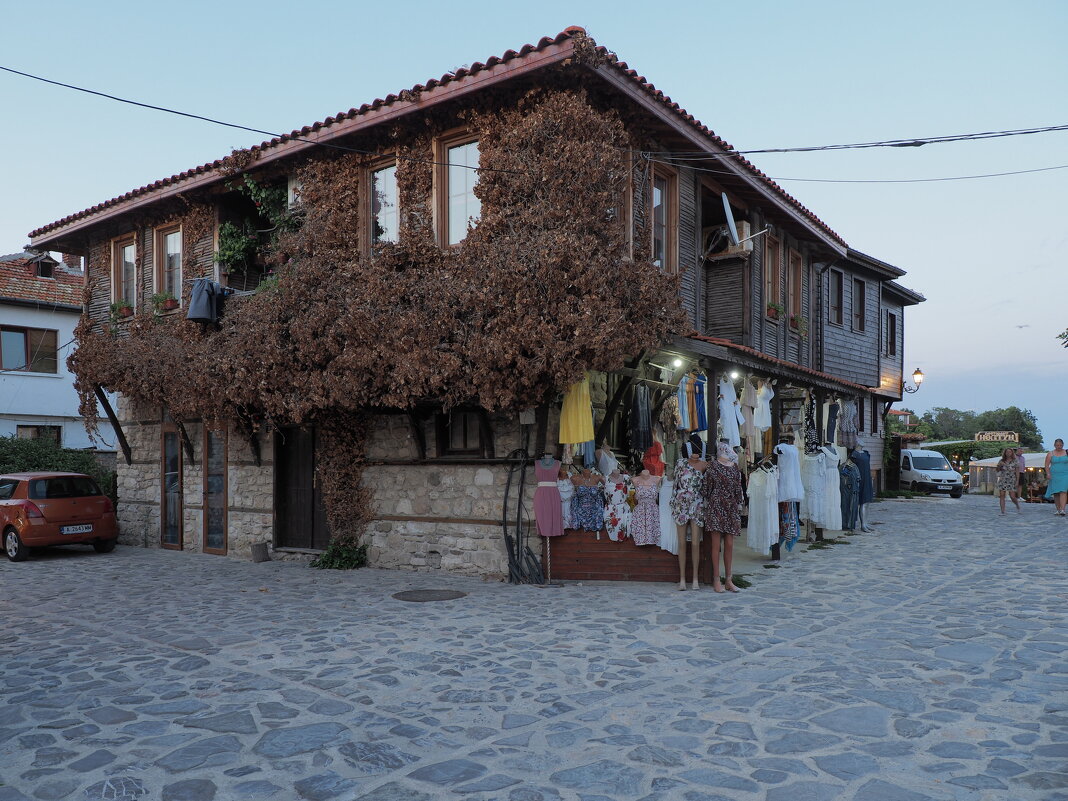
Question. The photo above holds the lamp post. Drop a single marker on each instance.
(917, 379)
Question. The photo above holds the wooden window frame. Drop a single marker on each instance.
(225, 437)
(159, 274)
(671, 218)
(37, 432)
(27, 356)
(772, 274)
(442, 145)
(795, 287)
(167, 427)
(117, 284)
(443, 425)
(891, 333)
(874, 415)
(859, 310)
(839, 318)
(367, 201)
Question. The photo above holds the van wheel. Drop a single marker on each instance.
(956, 493)
(913, 487)
(104, 546)
(13, 546)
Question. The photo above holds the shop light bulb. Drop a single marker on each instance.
(677, 363)
(734, 375)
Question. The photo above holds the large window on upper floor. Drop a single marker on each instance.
(772, 276)
(124, 270)
(169, 261)
(665, 219)
(891, 334)
(31, 350)
(385, 207)
(795, 285)
(836, 301)
(457, 174)
(860, 304)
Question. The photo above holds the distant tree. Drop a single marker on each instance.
(946, 423)
(1013, 418)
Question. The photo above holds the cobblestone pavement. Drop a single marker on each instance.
(926, 661)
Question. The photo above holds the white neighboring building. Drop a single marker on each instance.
(40, 304)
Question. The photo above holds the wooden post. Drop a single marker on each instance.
(186, 442)
(119, 435)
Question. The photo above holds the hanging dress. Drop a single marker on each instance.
(832, 490)
(653, 460)
(641, 427)
(762, 412)
(606, 462)
(790, 486)
(567, 492)
(686, 502)
(730, 415)
(847, 431)
(616, 508)
(812, 471)
(669, 535)
(867, 489)
(721, 491)
(645, 519)
(850, 489)
(699, 400)
(812, 434)
(576, 414)
(762, 530)
(832, 420)
(748, 403)
(691, 404)
(547, 512)
(683, 404)
(587, 508)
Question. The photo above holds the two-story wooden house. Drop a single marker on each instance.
(791, 302)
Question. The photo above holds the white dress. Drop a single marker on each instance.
(790, 486)
(730, 413)
(847, 425)
(832, 492)
(669, 534)
(567, 489)
(762, 412)
(762, 530)
(813, 480)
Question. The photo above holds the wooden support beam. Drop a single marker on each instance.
(119, 435)
(611, 408)
(186, 442)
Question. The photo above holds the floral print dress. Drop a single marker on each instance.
(587, 508)
(686, 501)
(721, 489)
(645, 519)
(616, 508)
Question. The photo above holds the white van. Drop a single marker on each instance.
(929, 471)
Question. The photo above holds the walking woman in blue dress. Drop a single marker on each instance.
(1057, 473)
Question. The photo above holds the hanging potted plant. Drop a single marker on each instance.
(164, 301)
(121, 309)
(799, 324)
(775, 310)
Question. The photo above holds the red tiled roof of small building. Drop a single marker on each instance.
(19, 281)
(571, 32)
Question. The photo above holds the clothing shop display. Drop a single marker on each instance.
(547, 512)
(641, 426)
(790, 486)
(587, 507)
(701, 403)
(653, 460)
(1058, 475)
(748, 402)
(832, 409)
(762, 412)
(721, 493)
(863, 462)
(576, 414)
(812, 434)
(645, 519)
(669, 415)
(849, 487)
(1007, 477)
(832, 492)
(669, 535)
(616, 509)
(567, 492)
(789, 525)
(725, 451)
(686, 501)
(812, 479)
(691, 403)
(762, 530)
(847, 431)
(681, 399)
(588, 451)
(606, 461)
(730, 415)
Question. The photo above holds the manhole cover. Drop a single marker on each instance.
(428, 595)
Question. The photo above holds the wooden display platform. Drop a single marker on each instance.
(579, 556)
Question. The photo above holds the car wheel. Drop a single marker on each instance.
(13, 546)
(104, 546)
(914, 487)
(956, 493)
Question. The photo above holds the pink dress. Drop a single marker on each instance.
(645, 519)
(547, 512)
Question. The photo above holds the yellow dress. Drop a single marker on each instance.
(576, 416)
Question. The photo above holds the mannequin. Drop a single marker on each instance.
(849, 483)
(547, 512)
(587, 505)
(687, 508)
(867, 490)
(645, 519)
(722, 493)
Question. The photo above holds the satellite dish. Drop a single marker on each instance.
(731, 227)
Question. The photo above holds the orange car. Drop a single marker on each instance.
(54, 509)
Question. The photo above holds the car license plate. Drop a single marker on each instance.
(84, 528)
(946, 487)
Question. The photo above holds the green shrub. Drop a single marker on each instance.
(30, 455)
(341, 555)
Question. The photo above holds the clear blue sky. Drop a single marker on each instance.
(989, 254)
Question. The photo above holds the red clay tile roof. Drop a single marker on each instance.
(572, 32)
(19, 281)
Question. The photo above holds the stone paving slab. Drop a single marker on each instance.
(925, 662)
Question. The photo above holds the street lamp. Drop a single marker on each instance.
(917, 379)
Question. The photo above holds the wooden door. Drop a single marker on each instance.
(300, 517)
